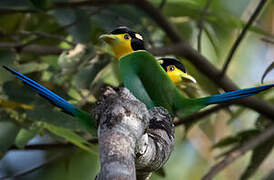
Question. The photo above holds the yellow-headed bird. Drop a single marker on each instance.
(149, 83)
(124, 41)
(175, 70)
(145, 78)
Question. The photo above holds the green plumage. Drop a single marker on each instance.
(148, 81)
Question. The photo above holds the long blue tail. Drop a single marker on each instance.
(52, 97)
(228, 96)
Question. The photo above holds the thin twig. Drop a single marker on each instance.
(160, 19)
(162, 4)
(183, 49)
(47, 35)
(62, 28)
(11, 11)
(196, 116)
(242, 35)
(267, 40)
(51, 146)
(268, 69)
(50, 160)
(201, 25)
(251, 144)
(33, 48)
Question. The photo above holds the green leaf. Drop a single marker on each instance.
(79, 165)
(25, 135)
(161, 172)
(87, 74)
(204, 82)
(226, 142)
(212, 38)
(237, 139)
(6, 59)
(129, 15)
(8, 133)
(32, 67)
(70, 60)
(9, 23)
(81, 24)
(71, 137)
(8, 4)
(119, 15)
(39, 4)
(270, 176)
(83, 166)
(49, 115)
(18, 92)
(13, 105)
(259, 154)
(183, 8)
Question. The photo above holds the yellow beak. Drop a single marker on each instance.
(108, 38)
(187, 78)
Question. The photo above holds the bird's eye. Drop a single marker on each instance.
(170, 68)
(126, 36)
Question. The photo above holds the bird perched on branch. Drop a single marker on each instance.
(145, 78)
(124, 41)
(153, 84)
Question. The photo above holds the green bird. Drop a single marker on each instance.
(144, 76)
(150, 83)
(176, 70)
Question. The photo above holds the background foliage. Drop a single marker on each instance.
(56, 44)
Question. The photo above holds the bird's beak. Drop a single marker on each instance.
(187, 78)
(108, 38)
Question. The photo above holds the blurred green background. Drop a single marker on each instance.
(58, 46)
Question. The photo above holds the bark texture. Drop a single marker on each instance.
(133, 141)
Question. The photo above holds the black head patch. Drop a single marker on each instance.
(137, 42)
(171, 61)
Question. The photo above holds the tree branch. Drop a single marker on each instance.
(266, 40)
(131, 138)
(47, 35)
(51, 146)
(33, 49)
(161, 6)
(242, 35)
(251, 144)
(196, 116)
(12, 11)
(182, 49)
(89, 3)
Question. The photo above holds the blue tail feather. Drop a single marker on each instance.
(52, 97)
(228, 96)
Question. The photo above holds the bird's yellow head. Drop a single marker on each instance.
(123, 41)
(175, 70)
